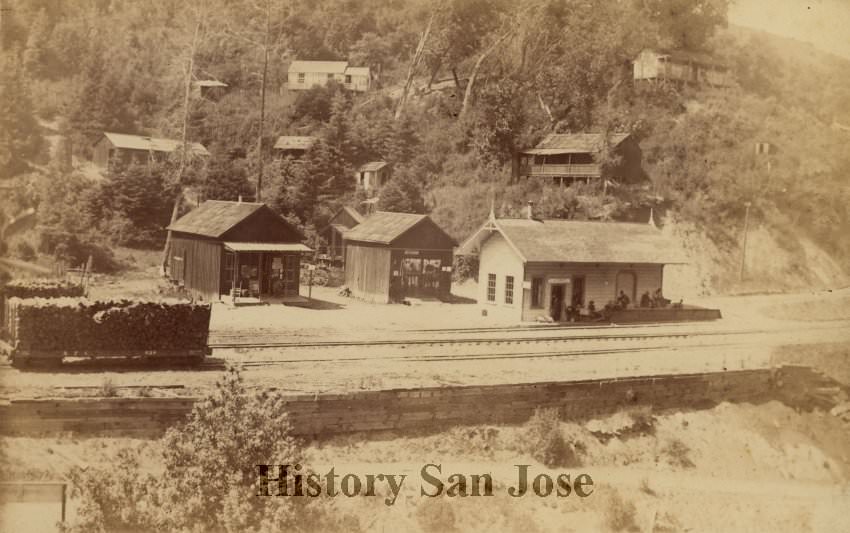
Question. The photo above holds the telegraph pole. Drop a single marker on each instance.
(744, 245)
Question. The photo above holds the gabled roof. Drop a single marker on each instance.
(329, 67)
(575, 143)
(384, 227)
(372, 166)
(574, 241)
(214, 217)
(353, 213)
(151, 144)
(294, 142)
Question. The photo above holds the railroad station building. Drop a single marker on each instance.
(531, 268)
(392, 256)
(239, 250)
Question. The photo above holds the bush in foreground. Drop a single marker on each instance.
(208, 477)
(544, 440)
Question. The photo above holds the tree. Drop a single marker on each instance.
(402, 194)
(20, 135)
(685, 23)
(226, 179)
(209, 475)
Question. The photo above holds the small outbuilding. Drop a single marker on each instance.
(373, 175)
(391, 256)
(242, 249)
(294, 146)
(531, 268)
(333, 234)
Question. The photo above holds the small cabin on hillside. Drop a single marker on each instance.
(303, 75)
(531, 268)
(209, 89)
(239, 249)
(680, 66)
(294, 146)
(118, 150)
(392, 256)
(566, 158)
(373, 175)
(334, 233)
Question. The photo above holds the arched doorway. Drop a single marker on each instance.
(626, 282)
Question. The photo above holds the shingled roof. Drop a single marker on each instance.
(575, 143)
(214, 217)
(573, 241)
(383, 227)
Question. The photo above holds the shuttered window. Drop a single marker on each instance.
(509, 289)
(491, 287)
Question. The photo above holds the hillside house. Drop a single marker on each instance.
(209, 89)
(681, 67)
(333, 234)
(117, 150)
(372, 176)
(306, 74)
(392, 256)
(531, 268)
(294, 146)
(565, 158)
(238, 249)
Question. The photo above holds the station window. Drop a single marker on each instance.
(509, 289)
(301, 77)
(537, 292)
(491, 287)
(348, 79)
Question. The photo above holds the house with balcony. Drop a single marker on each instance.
(567, 158)
(303, 75)
(680, 67)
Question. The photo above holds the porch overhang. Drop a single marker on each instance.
(265, 247)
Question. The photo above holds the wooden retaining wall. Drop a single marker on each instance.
(427, 408)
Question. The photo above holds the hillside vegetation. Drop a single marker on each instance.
(492, 76)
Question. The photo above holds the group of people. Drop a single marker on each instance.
(577, 312)
(656, 300)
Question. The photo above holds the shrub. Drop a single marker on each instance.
(24, 251)
(209, 477)
(544, 440)
(70, 248)
(465, 267)
(80, 324)
(619, 513)
(677, 453)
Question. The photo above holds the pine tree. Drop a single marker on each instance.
(402, 195)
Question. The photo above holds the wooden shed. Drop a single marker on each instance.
(241, 247)
(342, 221)
(391, 256)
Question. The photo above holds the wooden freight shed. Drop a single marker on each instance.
(531, 268)
(242, 249)
(391, 256)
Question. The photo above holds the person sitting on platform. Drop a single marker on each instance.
(645, 300)
(659, 300)
(623, 301)
(592, 312)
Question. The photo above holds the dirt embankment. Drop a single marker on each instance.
(730, 468)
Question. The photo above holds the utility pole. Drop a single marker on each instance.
(744, 245)
(263, 102)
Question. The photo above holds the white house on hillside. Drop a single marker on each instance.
(306, 74)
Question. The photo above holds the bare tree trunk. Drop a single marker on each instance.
(457, 80)
(547, 109)
(414, 63)
(467, 95)
(187, 94)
